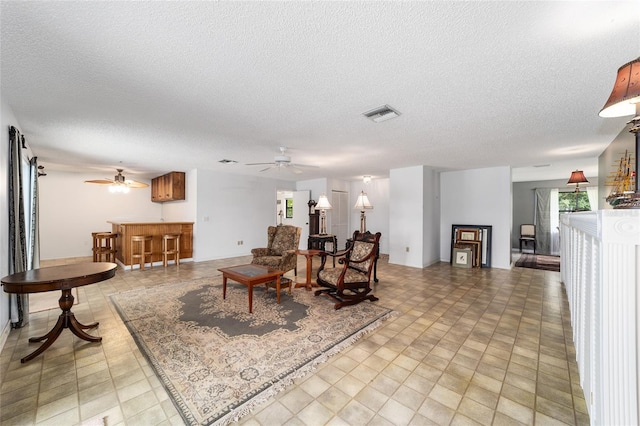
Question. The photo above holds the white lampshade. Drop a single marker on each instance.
(362, 202)
(323, 203)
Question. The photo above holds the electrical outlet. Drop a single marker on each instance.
(406, 249)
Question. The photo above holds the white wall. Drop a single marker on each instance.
(478, 197)
(431, 216)
(233, 208)
(406, 216)
(70, 210)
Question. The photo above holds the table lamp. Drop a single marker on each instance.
(577, 177)
(323, 205)
(362, 204)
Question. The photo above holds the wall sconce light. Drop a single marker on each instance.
(323, 205)
(362, 204)
(625, 100)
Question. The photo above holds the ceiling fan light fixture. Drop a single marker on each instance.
(381, 114)
(118, 188)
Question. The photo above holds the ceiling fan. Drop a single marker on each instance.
(119, 183)
(282, 161)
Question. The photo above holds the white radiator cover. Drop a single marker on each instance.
(600, 267)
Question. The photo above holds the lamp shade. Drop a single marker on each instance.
(577, 177)
(626, 92)
(323, 203)
(362, 202)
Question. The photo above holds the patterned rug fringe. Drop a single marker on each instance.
(281, 384)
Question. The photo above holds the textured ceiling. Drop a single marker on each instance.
(158, 86)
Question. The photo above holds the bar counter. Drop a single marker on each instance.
(126, 230)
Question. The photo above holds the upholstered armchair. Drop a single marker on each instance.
(280, 252)
(350, 282)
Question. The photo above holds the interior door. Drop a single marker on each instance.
(340, 217)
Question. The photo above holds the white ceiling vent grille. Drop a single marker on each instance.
(382, 113)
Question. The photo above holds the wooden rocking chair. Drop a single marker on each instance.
(350, 282)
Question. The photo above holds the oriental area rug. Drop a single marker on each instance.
(216, 360)
(539, 261)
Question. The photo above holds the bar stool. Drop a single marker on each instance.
(104, 245)
(143, 252)
(170, 249)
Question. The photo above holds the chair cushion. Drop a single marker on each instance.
(270, 261)
(282, 242)
(331, 275)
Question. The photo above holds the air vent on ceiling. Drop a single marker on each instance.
(225, 161)
(382, 113)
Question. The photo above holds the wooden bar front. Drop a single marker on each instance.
(156, 229)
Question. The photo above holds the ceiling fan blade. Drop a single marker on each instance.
(258, 164)
(304, 165)
(264, 170)
(134, 184)
(100, 181)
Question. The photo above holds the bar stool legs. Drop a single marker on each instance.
(144, 251)
(104, 246)
(170, 248)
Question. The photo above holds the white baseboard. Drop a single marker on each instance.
(5, 334)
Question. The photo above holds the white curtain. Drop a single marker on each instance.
(554, 223)
(543, 220)
(592, 193)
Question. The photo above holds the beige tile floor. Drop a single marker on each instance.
(468, 347)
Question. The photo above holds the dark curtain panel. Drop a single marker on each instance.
(19, 304)
(33, 245)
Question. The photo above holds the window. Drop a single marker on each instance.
(567, 201)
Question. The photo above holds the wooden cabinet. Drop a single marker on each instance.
(169, 187)
(314, 223)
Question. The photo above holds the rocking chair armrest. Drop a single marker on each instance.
(336, 254)
(260, 252)
(324, 255)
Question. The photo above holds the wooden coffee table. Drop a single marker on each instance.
(250, 275)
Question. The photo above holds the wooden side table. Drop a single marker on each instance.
(308, 254)
(318, 241)
(64, 278)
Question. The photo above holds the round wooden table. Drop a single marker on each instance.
(64, 278)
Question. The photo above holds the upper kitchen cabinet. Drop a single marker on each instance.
(169, 187)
